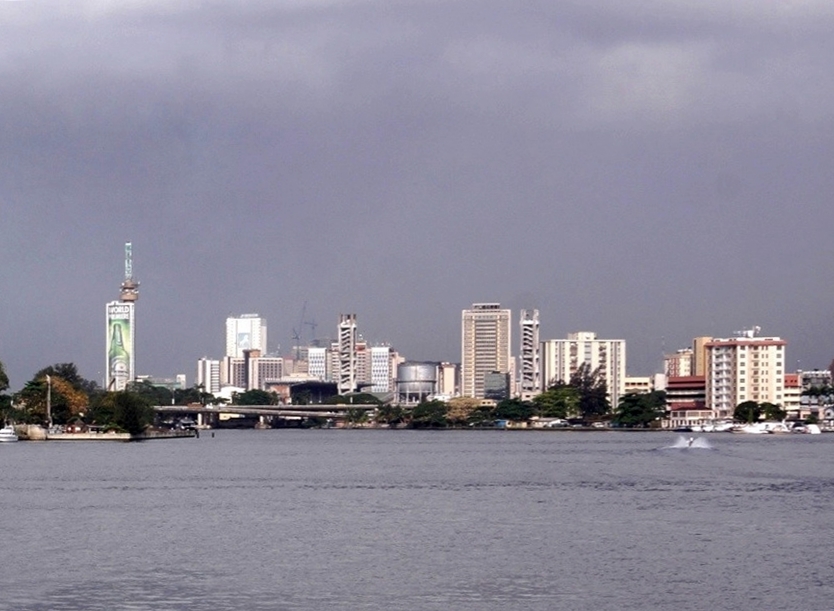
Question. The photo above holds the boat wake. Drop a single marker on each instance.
(692, 443)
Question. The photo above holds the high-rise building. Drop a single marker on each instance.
(485, 346)
(562, 357)
(208, 375)
(699, 355)
(120, 336)
(744, 368)
(245, 332)
(317, 362)
(679, 364)
(260, 370)
(121, 361)
(347, 378)
(531, 378)
(233, 372)
(383, 369)
(447, 379)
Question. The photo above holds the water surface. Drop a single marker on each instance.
(419, 520)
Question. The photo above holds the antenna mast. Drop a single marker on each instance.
(130, 288)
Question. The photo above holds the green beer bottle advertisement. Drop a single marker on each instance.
(118, 359)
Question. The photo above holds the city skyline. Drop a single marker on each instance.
(647, 171)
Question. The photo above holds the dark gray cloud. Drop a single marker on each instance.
(648, 170)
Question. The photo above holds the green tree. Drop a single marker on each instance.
(6, 410)
(69, 373)
(513, 409)
(429, 415)
(392, 415)
(129, 411)
(593, 391)
(560, 400)
(640, 410)
(773, 412)
(747, 411)
(255, 397)
(156, 395)
(482, 415)
(359, 398)
(355, 416)
(4, 378)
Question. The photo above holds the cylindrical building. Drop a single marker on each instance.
(416, 381)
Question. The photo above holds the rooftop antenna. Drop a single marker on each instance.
(130, 287)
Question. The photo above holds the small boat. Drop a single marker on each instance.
(751, 429)
(7, 434)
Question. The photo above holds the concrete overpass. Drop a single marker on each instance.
(208, 415)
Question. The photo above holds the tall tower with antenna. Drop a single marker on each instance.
(121, 329)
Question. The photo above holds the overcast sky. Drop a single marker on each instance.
(650, 170)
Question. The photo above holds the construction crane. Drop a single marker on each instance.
(297, 332)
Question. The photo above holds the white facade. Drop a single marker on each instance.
(233, 372)
(447, 379)
(382, 369)
(262, 369)
(317, 362)
(743, 369)
(638, 385)
(485, 346)
(679, 364)
(208, 375)
(346, 378)
(530, 383)
(245, 332)
(562, 357)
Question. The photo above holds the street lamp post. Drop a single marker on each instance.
(48, 402)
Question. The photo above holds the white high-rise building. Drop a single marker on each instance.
(679, 364)
(745, 368)
(208, 375)
(562, 357)
(245, 332)
(347, 377)
(530, 384)
(317, 362)
(383, 369)
(485, 346)
(263, 369)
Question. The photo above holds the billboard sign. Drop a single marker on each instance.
(120, 361)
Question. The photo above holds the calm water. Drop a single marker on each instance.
(384, 520)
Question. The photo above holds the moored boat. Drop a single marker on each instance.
(7, 434)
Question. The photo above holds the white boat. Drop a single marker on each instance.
(752, 429)
(7, 434)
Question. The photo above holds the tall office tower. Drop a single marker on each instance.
(447, 379)
(121, 362)
(699, 355)
(233, 372)
(679, 364)
(382, 369)
(485, 346)
(208, 375)
(120, 335)
(317, 362)
(531, 378)
(347, 379)
(245, 332)
(263, 369)
(562, 357)
(744, 368)
(362, 373)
